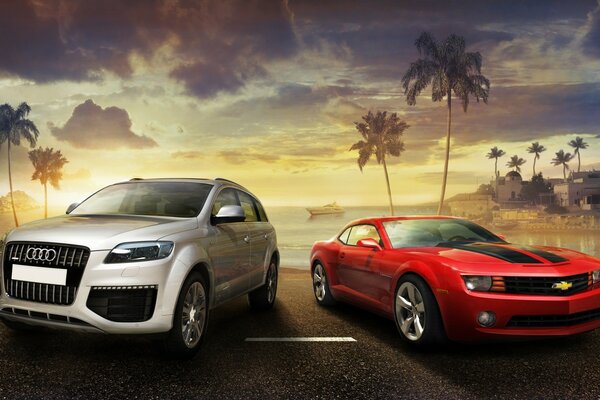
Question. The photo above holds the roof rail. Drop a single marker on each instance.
(136, 179)
(229, 181)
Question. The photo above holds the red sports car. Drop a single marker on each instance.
(443, 277)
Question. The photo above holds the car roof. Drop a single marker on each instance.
(213, 181)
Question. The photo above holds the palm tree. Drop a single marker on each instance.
(13, 126)
(578, 144)
(563, 159)
(382, 136)
(48, 166)
(448, 68)
(535, 148)
(495, 153)
(515, 162)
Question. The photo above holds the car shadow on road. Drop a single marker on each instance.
(491, 369)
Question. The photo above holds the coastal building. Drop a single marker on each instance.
(581, 190)
(508, 190)
(471, 205)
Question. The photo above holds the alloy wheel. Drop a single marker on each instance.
(193, 316)
(271, 284)
(319, 282)
(410, 311)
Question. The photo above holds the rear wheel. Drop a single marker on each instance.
(263, 298)
(190, 319)
(416, 313)
(321, 286)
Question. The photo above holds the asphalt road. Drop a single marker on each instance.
(58, 364)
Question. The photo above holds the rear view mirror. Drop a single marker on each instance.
(369, 243)
(71, 207)
(229, 214)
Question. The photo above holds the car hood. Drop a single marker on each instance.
(488, 253)
(100, 232)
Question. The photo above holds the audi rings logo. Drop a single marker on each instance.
(38, 254)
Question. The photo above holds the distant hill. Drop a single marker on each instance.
(23, 202)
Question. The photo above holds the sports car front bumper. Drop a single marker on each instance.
(519, 314)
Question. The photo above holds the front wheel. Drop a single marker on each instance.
(190, 319)
(321, 286)
(416, 313)
(263, 298)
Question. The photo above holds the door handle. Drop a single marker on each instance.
(342, 255)
(247, 239)
(266, 236)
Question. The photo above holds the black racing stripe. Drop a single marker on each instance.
(501, 252)
(555, 258)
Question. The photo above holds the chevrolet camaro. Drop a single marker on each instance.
(444, 278)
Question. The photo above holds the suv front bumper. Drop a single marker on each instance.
(97, 276)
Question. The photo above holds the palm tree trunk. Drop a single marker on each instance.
(496, 169)
(12, 200)
(565, 171)
(445, 177)
(534, 160)
(387, 181)
(45, 200)
(578, 161)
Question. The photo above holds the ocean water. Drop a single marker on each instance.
(297, 230)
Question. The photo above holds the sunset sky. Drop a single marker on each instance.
(267, 92)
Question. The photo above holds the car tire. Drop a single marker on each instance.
(321, 286)
(190, 319)
(417, 314)
(263, 298)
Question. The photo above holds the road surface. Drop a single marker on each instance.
(58, 364)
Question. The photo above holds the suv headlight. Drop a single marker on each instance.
(478, 283)
(139, 251)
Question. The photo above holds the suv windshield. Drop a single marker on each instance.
(169, 199)
(433, 232)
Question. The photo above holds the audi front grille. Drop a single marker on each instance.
(48, 255)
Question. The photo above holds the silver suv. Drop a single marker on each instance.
(143, 256)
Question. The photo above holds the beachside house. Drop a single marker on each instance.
(582, 190)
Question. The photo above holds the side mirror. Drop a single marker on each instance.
(71, 208)
(369, 243)
(229, 214)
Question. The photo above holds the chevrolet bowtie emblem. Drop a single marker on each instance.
(562, 285)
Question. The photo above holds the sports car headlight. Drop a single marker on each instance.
(478, 283)
(139, 251)
(596, 276)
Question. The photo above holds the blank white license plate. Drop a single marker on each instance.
(53, 276)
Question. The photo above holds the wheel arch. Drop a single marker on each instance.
(434, 281)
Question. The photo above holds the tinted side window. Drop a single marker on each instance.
(261, 211)
(360, 232)
(227, 197)
(344, 236)
(247, 203)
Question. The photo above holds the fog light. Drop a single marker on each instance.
(486, 319)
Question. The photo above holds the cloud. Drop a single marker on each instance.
(93, 127)
(188, 155)
(242, 157)
(591, 40)
(216, 46)
(53, 41)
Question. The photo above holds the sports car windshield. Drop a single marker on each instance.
(169, 199)
(433, 232)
